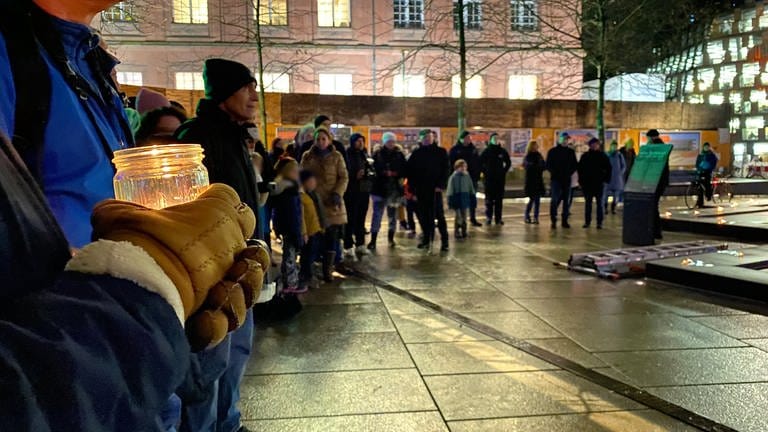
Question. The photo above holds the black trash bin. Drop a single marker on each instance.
(639, 209)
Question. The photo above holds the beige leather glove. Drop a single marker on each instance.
(201, 248)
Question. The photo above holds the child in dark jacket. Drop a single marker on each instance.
(314, 225)
(288, 221)
(461, 196)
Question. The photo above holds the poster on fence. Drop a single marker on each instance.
(685, 147)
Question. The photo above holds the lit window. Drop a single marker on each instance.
(735, 100)
(754, 122)
(727, 74)
(189, 81)
(272, 12)
(335, 84)
(130, 78)
(716, 99)
(763, 21)
(716, 52)
(746, 21)
(734, 48)
(757, 95)
(524, 14)
(474, 87)
(690, 84)
(705, 78)
(190, 11)
(726, 25)
(523, 86)
(735, 125)
(695, 99)
(120, 12)
(748, 73)
(409, 13)
(473, 15)
(277, 82)
(333, 13)
(409, 85)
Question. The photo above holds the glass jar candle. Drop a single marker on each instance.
(160, 176)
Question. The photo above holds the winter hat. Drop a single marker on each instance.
(148, 100)
(465, 134)
(653, 133)
(563, 136)
(284, 165)
(423, 133)
(319, 120)
(354, 138)
(593, 141)
(322, 129)
(134, 119)
(223, 78)
(305, 175)
(388, 136)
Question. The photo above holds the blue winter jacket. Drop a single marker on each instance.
(76, 171)
(66, 365)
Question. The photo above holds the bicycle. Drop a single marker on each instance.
(722, 191)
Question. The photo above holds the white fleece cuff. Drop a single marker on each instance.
(124, 260)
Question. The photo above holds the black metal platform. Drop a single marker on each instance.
(741, 271)
(746, 220)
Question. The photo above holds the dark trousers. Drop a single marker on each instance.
(494, 199)
(534, 203)
(357, 209)
(473, 208)
(410, 210)
(310, 253)
(589, 196)
(705, 178)
(430, 209)
(330, 240)
(657, 217)
(561, 193)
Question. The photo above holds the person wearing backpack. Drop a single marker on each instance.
(55, 77)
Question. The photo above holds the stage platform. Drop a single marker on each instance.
(745, 220)
(740, 271)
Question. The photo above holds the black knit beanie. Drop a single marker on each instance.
(319, 120)
(224, 77)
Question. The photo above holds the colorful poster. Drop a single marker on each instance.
(514, 140)
(685, 147)
(408, 138)
(580, 138)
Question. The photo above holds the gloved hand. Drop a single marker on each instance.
(335, 200)
(201, 248)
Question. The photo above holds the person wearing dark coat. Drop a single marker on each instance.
(357, 196)
(222, 128)
(465, 150)
(494, 165)
(289, 222)
(534, 181)
(427, 171)
(655, 138)
(561, 164)
(594, 172)
(628, 151)
(387, 193)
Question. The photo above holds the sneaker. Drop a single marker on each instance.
(362, 251)
(349, 255)
(501, 222)
(371, 246)
(529, 221)
(444, 247)
(423, 245)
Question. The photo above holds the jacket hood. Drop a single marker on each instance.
(354, 137)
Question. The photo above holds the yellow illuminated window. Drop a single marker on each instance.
(408, 85)
(277, 82)
(474, 87)
(190, 11)
(272, 12)
(189, 81)
(335, 84)
(333, 13)
(523, 86)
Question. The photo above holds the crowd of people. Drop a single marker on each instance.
(144, 319)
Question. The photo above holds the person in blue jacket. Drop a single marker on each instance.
(706, 162)
(97, 342)
(85, 120)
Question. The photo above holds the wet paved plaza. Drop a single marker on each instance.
(365, 357)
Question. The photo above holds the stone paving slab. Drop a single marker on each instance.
(357, 318)
(401, 422)
(431, 327)
(472, 357)
(619, 421)
(328, 352)
(334, 393)
(738, 326)
(520, 394)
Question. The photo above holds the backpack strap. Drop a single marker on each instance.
(31, 81)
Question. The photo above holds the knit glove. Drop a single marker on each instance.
(335, 199)
(201, 247)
